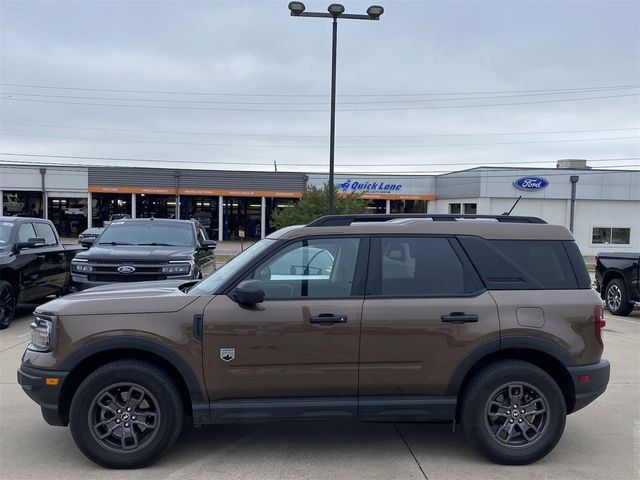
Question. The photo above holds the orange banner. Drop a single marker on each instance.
(194, 191)
(394, 196)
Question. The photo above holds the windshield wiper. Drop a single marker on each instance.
(114, 243)
(156, 244)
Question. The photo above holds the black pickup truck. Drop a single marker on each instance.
(144, 249)
(33, 263)
(617, 280)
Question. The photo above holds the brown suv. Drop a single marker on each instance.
(490, 322)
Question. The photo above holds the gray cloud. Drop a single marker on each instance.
(256, 47)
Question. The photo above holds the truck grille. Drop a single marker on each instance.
(125, 278)
(107, 271)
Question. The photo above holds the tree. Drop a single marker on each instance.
(313, 204)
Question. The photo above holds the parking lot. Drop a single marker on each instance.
(600, 442)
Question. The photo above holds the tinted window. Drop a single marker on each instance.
(316, 268)
(26, 232)
(125, 232)
(521, 264)
(5, 232)
(421, 266)
(44, 230)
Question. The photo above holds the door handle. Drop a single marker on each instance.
(459, 317)
(41, 257)
(328, 318)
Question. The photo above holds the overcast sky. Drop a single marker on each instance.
(244, 84)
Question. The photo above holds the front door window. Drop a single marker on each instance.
(316, 268)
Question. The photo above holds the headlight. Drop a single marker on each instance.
(42, 332)
(177, 269)
(81, 266)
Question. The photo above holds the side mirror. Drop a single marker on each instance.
(208, 244)
(87, 242)
(31, 243)
(248, 293)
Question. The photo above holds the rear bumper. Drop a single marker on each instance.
(588, 391)
(33, 382)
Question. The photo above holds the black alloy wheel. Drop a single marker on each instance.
(7, 304)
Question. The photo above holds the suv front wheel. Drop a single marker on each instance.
(513, 412)
(126, 414)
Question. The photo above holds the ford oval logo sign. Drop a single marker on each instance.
(531, 183)
(126, 269)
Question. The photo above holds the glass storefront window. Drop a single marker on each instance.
(107, 205)
(409, 206)
(203, 209)
(157, 206)
(68, 214)
(22, 204)
(377, 206)
(241, 213)
(273, 205)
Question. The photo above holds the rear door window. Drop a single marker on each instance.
(419, 266)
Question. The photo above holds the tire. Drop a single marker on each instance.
(7, 304)
(490, 428)
(617, 299)
(155, 418)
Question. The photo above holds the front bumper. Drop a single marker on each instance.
(34, 383)
(588, 391)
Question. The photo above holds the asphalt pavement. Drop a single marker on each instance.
(600, 442)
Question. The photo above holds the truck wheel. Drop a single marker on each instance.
(616, 298)
(513, 412)
(7, 304)
(126, 414)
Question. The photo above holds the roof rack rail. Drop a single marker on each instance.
(344, 220)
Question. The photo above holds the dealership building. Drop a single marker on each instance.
(602, 207)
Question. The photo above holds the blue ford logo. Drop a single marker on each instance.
(126, 269)
(531, 183)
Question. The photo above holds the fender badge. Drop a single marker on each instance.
(227, 354)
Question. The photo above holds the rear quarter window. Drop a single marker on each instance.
(522, 264)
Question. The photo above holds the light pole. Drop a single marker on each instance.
(335, 10)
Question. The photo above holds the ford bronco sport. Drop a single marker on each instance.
(489, 322)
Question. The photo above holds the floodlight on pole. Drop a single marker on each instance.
(335, 11)
(296, 8)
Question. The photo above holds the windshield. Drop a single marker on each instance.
(177, 234)
(211, 284)
(5, 233)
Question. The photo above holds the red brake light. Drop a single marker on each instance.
(598, 316)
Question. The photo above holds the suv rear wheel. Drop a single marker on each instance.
(616, 298)
(513, 412)
(126, 414)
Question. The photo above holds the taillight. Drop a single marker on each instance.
(598, 317)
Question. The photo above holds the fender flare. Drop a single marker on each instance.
(505, 343)
(140, 344)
